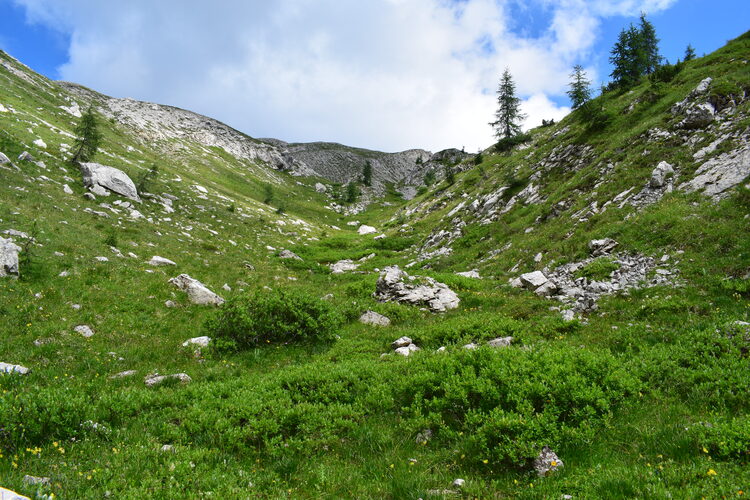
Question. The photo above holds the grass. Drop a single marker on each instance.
(643, 398)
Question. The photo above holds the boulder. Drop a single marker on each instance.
(40, 143)
(25, 156)
(720, 174)
(395, 285)
(470, 274)
(160, 261)
(288, 254)
(698, 116)
(401, 342)
(320, 188)
(4, 160)
(660, 174)
(375, 319)
(364, 229)
(547, 289)
(533, 280)
(197, 291)
(197, 341)
(153, 380)
(547, 462)
(500, 342)
(109, 178)
(9, 258)
(11, 495)
(602, 247)
(406, 351)
(10, 368)
(343, 266)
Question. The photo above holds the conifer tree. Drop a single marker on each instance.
(367, 174)
(508, 115)
(87, 137)
(689, 53)
(635, 53)
(648, 46)
(580, 87)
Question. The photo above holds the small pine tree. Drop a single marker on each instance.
(580, 87)
(508, 115)
(367, 174)
(267, 194)
(636, 53)
(352, 193)
(689, 53)
(87, 138)
(648, 46)
(147, 178)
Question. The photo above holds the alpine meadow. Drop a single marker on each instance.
(191, 312)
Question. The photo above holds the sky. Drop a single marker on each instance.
(380, 74)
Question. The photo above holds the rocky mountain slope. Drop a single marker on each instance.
(565, 319)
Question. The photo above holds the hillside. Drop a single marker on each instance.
(597, 333)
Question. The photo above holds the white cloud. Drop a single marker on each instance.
(384, 74)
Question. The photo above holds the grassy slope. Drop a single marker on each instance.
(620, 398)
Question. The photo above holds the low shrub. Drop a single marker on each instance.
(249, 320)
(507, 143)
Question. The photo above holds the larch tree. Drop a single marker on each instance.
(508, 116)
(580, 87)
(87, 138)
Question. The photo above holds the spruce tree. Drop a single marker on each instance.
(635, 53)
(580, 87)
(508, 115)
(87, 138)
(689, 53)
(367, 174)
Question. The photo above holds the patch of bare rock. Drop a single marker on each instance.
(394, 285)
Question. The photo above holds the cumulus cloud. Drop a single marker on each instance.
(384, 74)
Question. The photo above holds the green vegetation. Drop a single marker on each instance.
(646, 397)
(87, 137)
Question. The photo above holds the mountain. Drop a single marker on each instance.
(568, 316)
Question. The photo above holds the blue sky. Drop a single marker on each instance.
(384, 74)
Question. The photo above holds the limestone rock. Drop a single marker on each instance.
(365, 229)
(500, 342)
(197, 291)
(6, 494)
(533, 280)
(109, 178)
(84, 330)
(25, 156)
(470, 274)
(406, 351)
(718, 175)
(547, 462)
(67, 189)
(153, 380)
(9, 258)
(197, 341)
(458, 483)
(36, 481)
(320, 188)
(10, 368)
(660, 175)
(4, 160)
(160, 261)
(288, 254)
(375, 319)
(602, 247)
(125, 374)
(401, 342)
(395, 285)
(343, 266)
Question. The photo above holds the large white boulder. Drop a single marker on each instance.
(10, 368)
(109, 178)
(365, 229)
(534, 279)
(11, 495)
(197, 292)
(375, 319)
(160, 261)
(9, 258)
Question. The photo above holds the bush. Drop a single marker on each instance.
(666, 72)
(508, 143)
(249, 320)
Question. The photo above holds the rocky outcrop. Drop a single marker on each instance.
(197, 292)
(288, 254)
(6, 368)
(343, 266)
(720, 174)
(694, 111)
(9, 258)
(395, 285)
(154, 380)
(108, 178)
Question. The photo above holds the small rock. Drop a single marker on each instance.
(9, 258)
(160, 261)
(25, 156)
(198, 341)
(197, 291)
(424, 436)
(153, 380)
(288, 254)
(406, 351)
(365, 229)
(402, 342)
(470, 274)
(101, 259)
(547, 462)
(375, 319)
(167, 448)
(125, 374)
(500, 342)
(11, 495)
(40, 143)
(568, 315)
(84, 330)
(170, 304)
(67, 189)
(602, 247)
(343, 266)
(226, 287)
(458, 483)
(471, 346)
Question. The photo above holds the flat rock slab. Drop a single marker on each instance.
(197, 341)
(160, 261)
(288, 254)
(343, 266)
(154, 380)
(6, 494)
(534, 279)
(197, 291)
